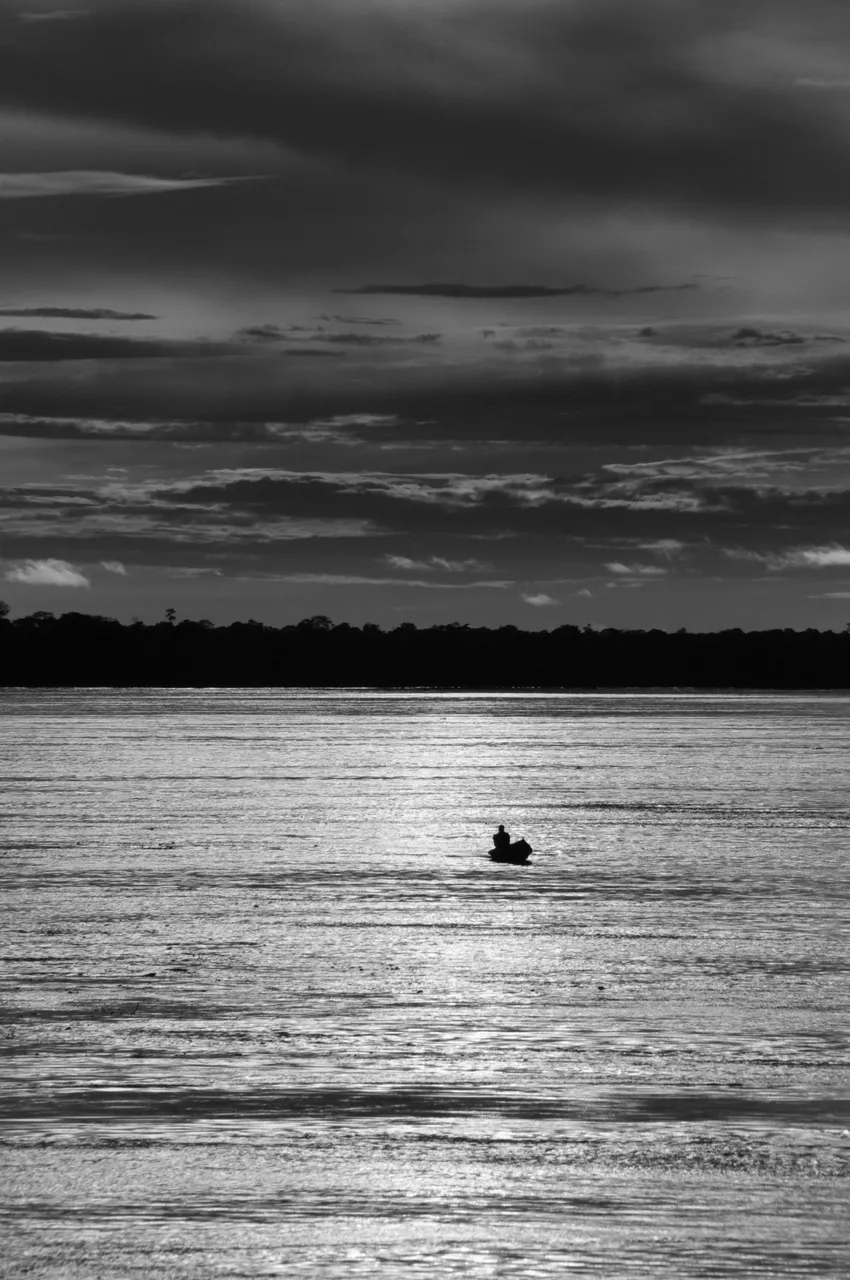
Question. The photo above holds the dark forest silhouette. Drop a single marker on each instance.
(85, 649)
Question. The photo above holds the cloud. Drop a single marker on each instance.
(341, 429)
(65, 428)
(28, 345)
(333, 319)
(262, 333)
(636, 570)
(93, 182)
(748, 336)
(360, 580)
(47, 573)
(538, 331)
(268, 333)
(751, 336)
(827, 557)
(53, 15)
(114, 566)
(359, 420)
(747, 466)
(192, 571)
(310, 352)
(540, 601)
(527, 344)
(516, 291)
(707, 336)
(377, 339)
(667, 548)
(438, 562)
(75, 313)
(833, 83)
(344, 429)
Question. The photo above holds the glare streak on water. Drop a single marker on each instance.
(269, 1010)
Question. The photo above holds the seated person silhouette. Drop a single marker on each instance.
(502, 839)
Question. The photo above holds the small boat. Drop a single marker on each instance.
(517, 853)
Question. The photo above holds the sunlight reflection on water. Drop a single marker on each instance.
(270, 1010)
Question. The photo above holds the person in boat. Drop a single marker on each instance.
(502, 839)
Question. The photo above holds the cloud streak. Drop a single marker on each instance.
(635, 570)
(75, 313)
(92, 182)
(437, 563)
(514, 291)
(363, 580)
(52, 15)
(826, 557)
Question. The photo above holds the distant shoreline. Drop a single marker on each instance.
(77, 650)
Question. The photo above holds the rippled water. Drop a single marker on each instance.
(269, 1010)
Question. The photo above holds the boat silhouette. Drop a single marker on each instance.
(518, 853)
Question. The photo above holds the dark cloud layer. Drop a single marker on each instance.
(42, 345)
(312, 352)
(531, 505)
(514, 290)
(271, 333)
(75, 313)
(558, 402)
(641, 100)
(379, 322)
(261, 333)
(377, 339)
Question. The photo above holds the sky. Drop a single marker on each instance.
(495, 311)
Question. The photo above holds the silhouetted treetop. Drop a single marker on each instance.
(87, 649)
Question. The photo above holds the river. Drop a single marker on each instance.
(270, 1010)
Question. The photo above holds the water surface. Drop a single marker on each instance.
(269, 1010)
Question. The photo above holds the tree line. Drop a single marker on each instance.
(81, 649)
